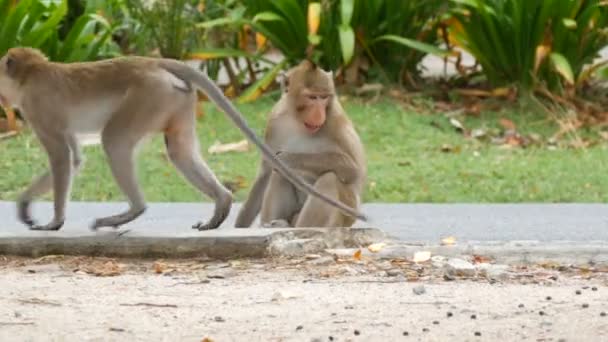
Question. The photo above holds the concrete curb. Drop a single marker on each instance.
(261, 243)
(512, 252)
(253, 243)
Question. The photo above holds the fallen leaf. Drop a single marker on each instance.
(238, 183)
(507, 124)
(457, 124)
(159, 267)
(357, 255)
(217, 147)
(207, 339)
(422, 256)
(108, 269)
(448, 241)
(376, 247)
(480, 259)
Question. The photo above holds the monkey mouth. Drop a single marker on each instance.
(312, 128)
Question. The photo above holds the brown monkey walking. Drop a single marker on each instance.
(124, 99)
(315, 137)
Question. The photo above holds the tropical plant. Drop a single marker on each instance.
(37, 24)
(530, 41)
(170, 24)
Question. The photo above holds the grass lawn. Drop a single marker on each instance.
(405, 161)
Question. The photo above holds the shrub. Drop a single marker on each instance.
(525, 41)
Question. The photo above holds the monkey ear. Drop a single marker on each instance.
(10, 65)
(283, 81)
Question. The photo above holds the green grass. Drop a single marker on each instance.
(404, 154)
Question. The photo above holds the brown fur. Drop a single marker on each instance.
(332, 157)
(124, 100)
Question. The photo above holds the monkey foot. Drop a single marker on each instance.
(204, 226)
(53, 226)
(276, 224)
(117, 220)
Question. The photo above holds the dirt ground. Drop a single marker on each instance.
(317, 298)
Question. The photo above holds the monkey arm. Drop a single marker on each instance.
(252, 205)
(340, 163)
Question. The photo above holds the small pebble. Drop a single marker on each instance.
(357, 333)
(548, 298)
(578, 292)
(331, 338)
(520, 306)
(449, 314)
(299, 327)
(349, 307)
(594, 288)
(585, 287)
(542, 313)
(435, 322)
(418, 290)
(603, 314)
(473, 316)
(405, 333)
(477, 333)
(425, 329)
(585, 305)
(219, 319)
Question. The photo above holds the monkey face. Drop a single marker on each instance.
(312, 109)
(311, 90)
(9, 87)
(5, 82)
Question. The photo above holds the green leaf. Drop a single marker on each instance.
(255, 90)
(216, 53)
(569, 23)
(41, 33)
(314, 39)
(346, 11)
(414, 44)
(217, 22)
(267, 16)
(562, 66)
(347, 42)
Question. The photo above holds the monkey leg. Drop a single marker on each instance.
(280, 202)
(316, 213)
(183, 149)
(119, 149)
(62, 159)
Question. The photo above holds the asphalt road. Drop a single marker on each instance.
(410, 222)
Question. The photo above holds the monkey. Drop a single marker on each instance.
(124, 100)
(314, 136)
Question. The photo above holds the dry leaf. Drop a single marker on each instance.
(376, 247)
(357, 255)
(480, 259)
(422, 256)
(217, 147)
(207, 339)
(448, 241)
(457, 124)
(108, 269)
(159, 267)
(507, 124)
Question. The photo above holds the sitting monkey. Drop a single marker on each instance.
(314, 136)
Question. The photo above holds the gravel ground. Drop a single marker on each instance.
(314, 299)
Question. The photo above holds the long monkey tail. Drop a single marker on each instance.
(190, 75)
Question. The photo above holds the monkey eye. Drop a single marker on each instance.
(324, 97)
(313, 97)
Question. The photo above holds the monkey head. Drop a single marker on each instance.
(15, 67)
(310, 90)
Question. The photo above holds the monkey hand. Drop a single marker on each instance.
(284, 156)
